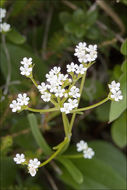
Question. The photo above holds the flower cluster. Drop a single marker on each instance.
(87, 151)
(22, 100)
(4, 27)
(57, 86)
(115, 91)
(32, 164)
(86, 54)
(26, 69)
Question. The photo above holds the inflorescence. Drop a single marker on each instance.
(32, 164)
(87, 151)
(4, 27)
(62, 91)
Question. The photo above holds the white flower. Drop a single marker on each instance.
(80, 69)
(74, 92)
(62, 77)
(73, 103)
(117, 95)
(42, 88)
(56, 70)
(81, 146)
(46, 97)
(52, 87)
(32, 171)
(26, 61)
(71, 67)
(114, 86)
(85, 54)
(51, 77)
(92, 48)
(2, 13)
(34, 163)
(15, 106)
(20, 158)
(4, 27)
(88, 153)
(23, 99)
(26, 70)
(67, 108)
(59, 92)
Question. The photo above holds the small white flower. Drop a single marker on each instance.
(46, 97)
(81, 146)
(52, 87)
(92, 48)
(67, 108)
(26, 70)
(4, 27)
(15, 106)
(23, 99)
(56, 70)
(114, 86)
(117, 95)
(74, 92)
(26, 61)
(2, 13)
(80, 69)
(20, 158)
(71, 67)
(32, 171)
(34, 163)
(73, 103)
(59, 92)
(42, 88)
(88, 153)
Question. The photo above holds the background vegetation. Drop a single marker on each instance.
(48, 31)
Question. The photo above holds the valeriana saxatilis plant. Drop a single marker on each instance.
(64, 92)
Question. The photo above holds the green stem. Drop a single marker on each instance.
(81, 89)
(73, 156)
(92, 106)
(56, 153)
(34, 81)
(66, 125)
(42, 110)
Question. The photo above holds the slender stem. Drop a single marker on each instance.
(34, 81)
(42, 110)
(73, 156)
(66, 124)
(81, 89)
(92, 106)
(8, 64)
(55, 153)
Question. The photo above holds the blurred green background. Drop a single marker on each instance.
(47, 31)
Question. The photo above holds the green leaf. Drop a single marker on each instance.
(70, 27)
(65, 17)
(91, 17)
(124, 66)
(17, 53)
(79, 16)
(72, 169)
(15, 37)
(8, 172)
(117, 108)
(37, 135)
(105, 171)
(119, 129)
(124, 48)
(102, 112)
